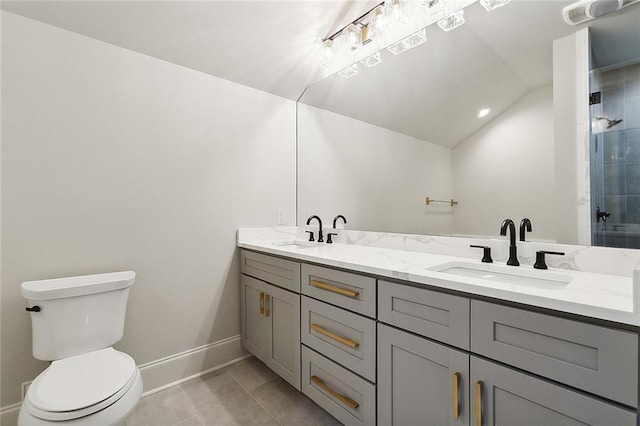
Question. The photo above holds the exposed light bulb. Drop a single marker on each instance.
(353, 34)
(327, 55)
(395, 10)
(377, 21)
(484, 112)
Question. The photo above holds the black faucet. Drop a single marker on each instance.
(335, 220)
(320, 237)
(513, 258)
(524, 224)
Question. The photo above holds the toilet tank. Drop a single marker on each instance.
(77, 314)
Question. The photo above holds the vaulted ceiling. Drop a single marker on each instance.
(493, 60)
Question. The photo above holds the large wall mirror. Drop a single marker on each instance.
(374, 146)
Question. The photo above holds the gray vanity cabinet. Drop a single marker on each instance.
(270, 320)
(420, 382)
(597, 359)
(502, 396)
(253, 324)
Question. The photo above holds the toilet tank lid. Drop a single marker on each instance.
(59, 288)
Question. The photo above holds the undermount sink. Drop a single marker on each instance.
(519, 275)
(298, 244)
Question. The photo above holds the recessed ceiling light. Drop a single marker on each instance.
(483, 112)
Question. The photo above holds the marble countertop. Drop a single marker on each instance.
(597, 295)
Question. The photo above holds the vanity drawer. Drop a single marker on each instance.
(345, 337)
(354, 292)
(281, 272)
(596, 359)
(349, 398)
(431, 314)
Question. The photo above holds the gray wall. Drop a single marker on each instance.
(112, 160)
(506, 169)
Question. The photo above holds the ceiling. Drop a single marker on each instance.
(493, 60)
(434, 92)
(268, 45)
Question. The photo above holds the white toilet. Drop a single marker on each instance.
(75, 321)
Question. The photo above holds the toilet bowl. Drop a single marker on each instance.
(74, 322)
(97, 388)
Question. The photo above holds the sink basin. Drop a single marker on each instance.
(519, 275)
(297, 244)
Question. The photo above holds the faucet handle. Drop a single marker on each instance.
(540, 261)
(310, 235)
(329, 241)
(486, 254)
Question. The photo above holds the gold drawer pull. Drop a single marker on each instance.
(345, 400)
(266, 305)
(262, 302)
(456, 396)
(334, 289)
(479, 403)
(345, 341)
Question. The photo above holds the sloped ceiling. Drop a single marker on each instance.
(432, 92)
(268, 45)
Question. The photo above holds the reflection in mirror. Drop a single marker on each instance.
(373, 147)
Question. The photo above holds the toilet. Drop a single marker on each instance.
(75, 321)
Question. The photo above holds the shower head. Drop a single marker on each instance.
(610, 123)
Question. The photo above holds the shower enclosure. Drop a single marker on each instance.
(615, 156)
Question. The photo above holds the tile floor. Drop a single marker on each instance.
(245, 393)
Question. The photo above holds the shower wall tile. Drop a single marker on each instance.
(633, 209)
(614, 179)
(631, 75)
(633, 179)
(632, 146)
(612, 79)
(613, 94)
(613, 147)
(617, 206)
(613, 110)
(631, 112)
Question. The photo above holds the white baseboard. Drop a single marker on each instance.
(178, 368)
(9, 414)
(170, 371)
(174, 369)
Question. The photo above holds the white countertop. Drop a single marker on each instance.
(603, 296)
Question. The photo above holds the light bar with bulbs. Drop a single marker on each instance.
(397, 25)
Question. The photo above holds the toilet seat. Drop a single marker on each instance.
(81, 385)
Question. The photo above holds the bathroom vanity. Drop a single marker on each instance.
(374, 340)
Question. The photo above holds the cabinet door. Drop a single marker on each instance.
(420, 382)
(282, 312)
(253, 325)
(502, 396)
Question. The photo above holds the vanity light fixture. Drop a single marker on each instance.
(433, 6)
(490, 5)
(327, 55)
(353, 35)
(387, 25)
(484, 112)
(378, 21)
(452, 21)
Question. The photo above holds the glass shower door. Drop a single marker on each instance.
(615, 157)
